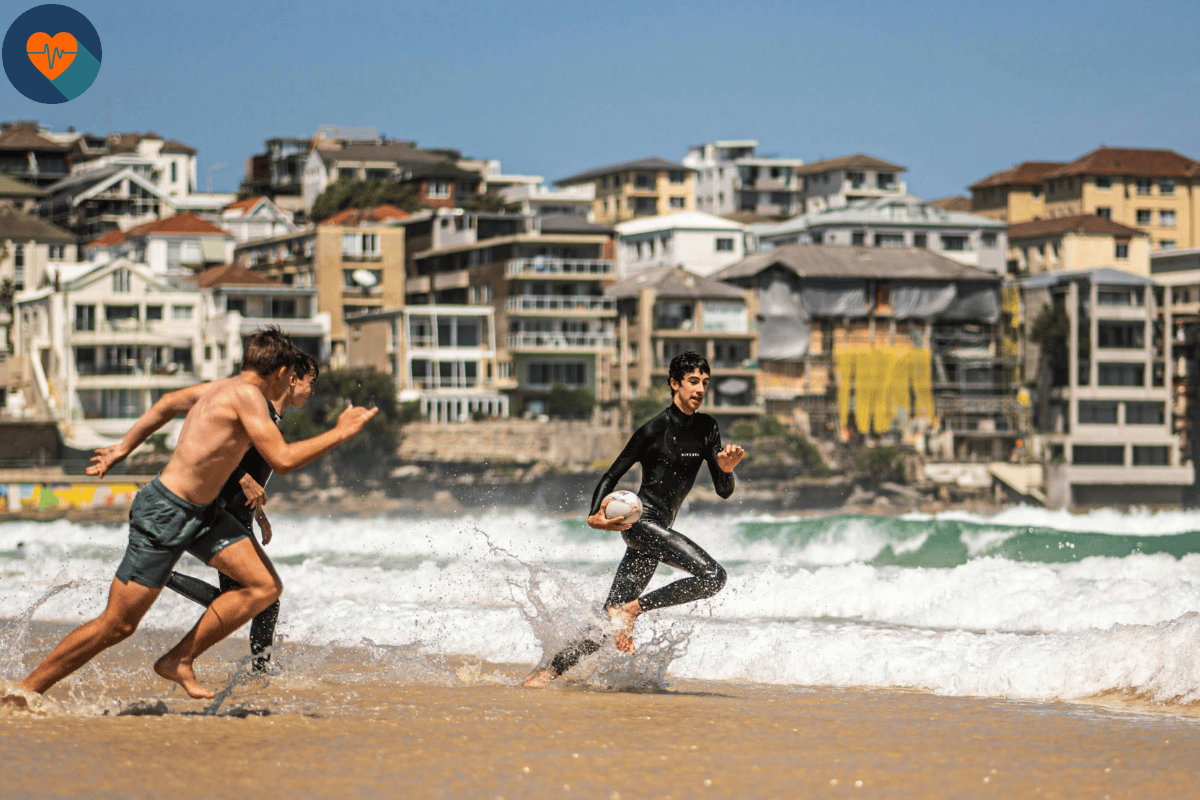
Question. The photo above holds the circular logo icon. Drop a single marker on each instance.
(51, 54)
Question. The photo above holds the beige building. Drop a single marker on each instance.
(355, 259)
(1015, 194)
(644, 188)
(668, 311)
(838, 182)
(1070, 244)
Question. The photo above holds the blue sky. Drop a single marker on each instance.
(953, 91)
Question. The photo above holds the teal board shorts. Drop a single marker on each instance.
(164, 526)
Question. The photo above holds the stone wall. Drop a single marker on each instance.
(558, 443)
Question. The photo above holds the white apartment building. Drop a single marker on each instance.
(182, 242)
(692, 240)
(896, 221)
(731, 179)
(255, 218)
(540, 200)
(1107, 415)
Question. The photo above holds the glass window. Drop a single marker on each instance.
(122, 280)
(1103, 182)
(1098, 454)
(181, 313)
(989, 239)
(1151, 456)
(955, 243)
(1143, 185)
(1121, 334)
(1122, 250)
(1104, 211)
(1097, 413)
(724, 245)
(1142, 413)
(1166, 218)
(1121, 374)
(919, 240)
(154, 313)
(1166, 186)
(85, 318)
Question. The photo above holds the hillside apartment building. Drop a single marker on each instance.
(648, 187)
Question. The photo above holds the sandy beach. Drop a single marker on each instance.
(355, 722)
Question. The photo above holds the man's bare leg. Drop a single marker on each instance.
(624, 616)
(127, 604)
(540, 678)
(247, 564)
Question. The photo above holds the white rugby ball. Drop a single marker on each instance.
(625, 504)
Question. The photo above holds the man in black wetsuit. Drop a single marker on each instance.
(244, 496)
(670, 447)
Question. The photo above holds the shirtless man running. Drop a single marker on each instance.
(176, 512)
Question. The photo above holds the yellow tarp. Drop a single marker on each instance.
(881, 381)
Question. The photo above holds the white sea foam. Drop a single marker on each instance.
(802, 605)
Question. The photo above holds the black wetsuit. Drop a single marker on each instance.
(262, 628)
(671, 447)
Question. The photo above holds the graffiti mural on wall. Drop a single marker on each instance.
(46, 496)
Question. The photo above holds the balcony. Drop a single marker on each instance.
(560, 341)
(569, 268)
(549, 304)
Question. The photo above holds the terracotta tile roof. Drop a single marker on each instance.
(247, 204)
(856, 161)
(956, 203)
(187, 222)
(1133, 161)
(231, 275)
(1082, 223)
(1027, 173)
(108, 239)
(357, 216)
(22, 137)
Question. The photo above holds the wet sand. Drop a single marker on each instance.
(393, 722)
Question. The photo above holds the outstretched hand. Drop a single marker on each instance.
(352, 420)
(603, 523)
(106, 458)
(729, 456)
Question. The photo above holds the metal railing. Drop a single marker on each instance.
(591, 341)
(557, 303)
(583, 267)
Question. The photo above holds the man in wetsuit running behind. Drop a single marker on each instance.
(243, 495)
(670, 448)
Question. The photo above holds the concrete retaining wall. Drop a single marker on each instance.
(559, 444)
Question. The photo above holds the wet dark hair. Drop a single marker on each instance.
(306, 364)
(686, 363)
(267, 350)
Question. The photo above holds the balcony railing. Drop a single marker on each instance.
(553, 303)
(547, 341)
(583, 267)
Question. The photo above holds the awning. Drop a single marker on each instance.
(212, 250)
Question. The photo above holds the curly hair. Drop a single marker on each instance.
(686, 363)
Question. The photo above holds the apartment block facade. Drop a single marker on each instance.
(647, 187)
(731, 179)
(1073, 244)
(836, 182)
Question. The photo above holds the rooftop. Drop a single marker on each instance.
(904, 209)
(856, 161)
(652, 164)
(22, 137)
(1081, 223)
(1027, 173)
(231, 275)
(672, 283)
(692, 220)
(18, 225)
(11, 187)
(848, 262)
(1131, 161)
(358, 216)
(1106, 276)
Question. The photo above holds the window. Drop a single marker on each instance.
(1166, 244)
(174, 172)
(919, 240)
(121, 280)
(857, 179)
(567, 373)
(235, 304)
(1106, 455)
(679, 176)
(437, 189)
(1143, 185)
(1119, 297)
(283, 308)
(154, 313)
(1122, 250)
(1166, 186)
(1138, 413)
(1124, 335)
(181, 313)
(1143, 216)
(724, 245)
(644, 180)
(885, 180)
(955, 243)
(989, 240)
(1103, 182)
(1151, 456)
(85, 318)
(1097, 413)
(645, 206)
(677, 202)
(889, 240)
(858, 238)
(58, 252)
(1121, 374)
(208, 352)
(360, 246)
(1166, 218)
(1104, 211)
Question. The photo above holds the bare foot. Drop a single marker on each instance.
(623, 617)
(182, 674)
(539, 679)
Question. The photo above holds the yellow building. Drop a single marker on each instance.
(355, 259)
(1071, 244)
(644, 188)
(1156, 191)
(1015, 194)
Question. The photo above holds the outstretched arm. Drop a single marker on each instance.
(284, 457)
(167, 408)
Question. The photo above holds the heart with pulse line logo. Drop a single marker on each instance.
(51, 54)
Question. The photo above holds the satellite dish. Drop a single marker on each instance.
(364, 277)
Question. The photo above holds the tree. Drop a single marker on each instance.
(564, 403)
(349, 193)
(366, 457)
(489, 202)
